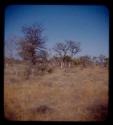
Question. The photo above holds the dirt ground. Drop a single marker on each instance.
(76, 95)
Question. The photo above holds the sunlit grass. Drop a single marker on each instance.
(77, 95)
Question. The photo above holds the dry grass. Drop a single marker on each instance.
(77, 95)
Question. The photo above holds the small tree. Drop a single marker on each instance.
(85, 60)
(76, 61)
(61, 49)
(11, 47)
(101, 59)
(106, 62)
(67, 50)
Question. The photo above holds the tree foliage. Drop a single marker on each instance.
(32, 44)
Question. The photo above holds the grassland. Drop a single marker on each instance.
(76, 95)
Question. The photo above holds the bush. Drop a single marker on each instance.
(42, 69)
(43, 109)
(50, 70)
(76, 62)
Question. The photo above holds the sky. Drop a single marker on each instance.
(87, 24)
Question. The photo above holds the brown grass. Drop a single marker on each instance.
(76, 95)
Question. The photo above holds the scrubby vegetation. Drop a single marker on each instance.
(61, 88)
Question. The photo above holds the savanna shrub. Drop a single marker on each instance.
(50, 70)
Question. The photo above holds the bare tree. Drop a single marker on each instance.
(74, 47)
(61, 49)
(11, 47)
(66, 51)
(11, 55)
(32, 45)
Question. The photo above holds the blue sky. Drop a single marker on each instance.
(87, 24)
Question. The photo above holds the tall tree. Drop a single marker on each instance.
(32, 47)
(32, 43)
